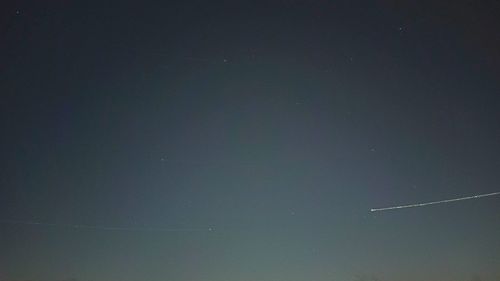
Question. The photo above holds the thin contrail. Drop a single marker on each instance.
(107, 228)
(435, 202)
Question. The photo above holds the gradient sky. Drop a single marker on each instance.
(249, 140)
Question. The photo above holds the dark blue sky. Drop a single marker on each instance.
(204, 140)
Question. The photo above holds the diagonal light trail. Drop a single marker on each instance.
(435, 202)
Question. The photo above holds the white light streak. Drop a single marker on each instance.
(435, 202)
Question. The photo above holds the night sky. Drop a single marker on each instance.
(238, 141)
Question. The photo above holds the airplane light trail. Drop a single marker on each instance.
(434, 202)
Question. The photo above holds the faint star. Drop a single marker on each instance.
(18, 12)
